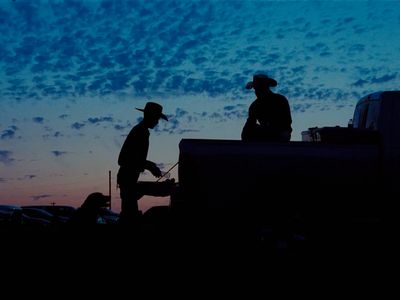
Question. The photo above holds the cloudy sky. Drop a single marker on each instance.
(72, 73)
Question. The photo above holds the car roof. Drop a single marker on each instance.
(28, 208)
(9, 207)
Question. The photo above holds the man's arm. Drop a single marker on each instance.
(250, 127)
(286, 115)
(152, 167)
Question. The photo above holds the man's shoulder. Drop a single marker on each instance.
(255, 102)
(139, 129)
(280, 98)
(277, 95)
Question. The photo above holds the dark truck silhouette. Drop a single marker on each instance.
(335, 177)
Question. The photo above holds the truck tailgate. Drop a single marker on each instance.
(221, 174)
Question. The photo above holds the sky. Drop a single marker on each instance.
(73, 72)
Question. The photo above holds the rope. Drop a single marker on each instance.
(167, 171)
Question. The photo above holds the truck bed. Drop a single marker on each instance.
(226, 175)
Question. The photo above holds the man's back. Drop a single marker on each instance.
(272, 112)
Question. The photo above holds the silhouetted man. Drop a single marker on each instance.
(269, 115)
(133, 160)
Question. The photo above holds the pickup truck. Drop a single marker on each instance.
(334, 175)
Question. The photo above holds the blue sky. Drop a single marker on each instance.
(72, 73)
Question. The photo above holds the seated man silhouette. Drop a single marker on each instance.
(269, 115)
(133, 160)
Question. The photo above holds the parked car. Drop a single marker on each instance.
(15, 215)
(64, 211)
(43, 214)
(10, 214)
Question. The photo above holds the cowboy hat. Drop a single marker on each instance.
(261, 80)
(154, 109)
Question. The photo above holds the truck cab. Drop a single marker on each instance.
(379, 112)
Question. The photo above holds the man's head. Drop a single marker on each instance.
(261, 83)
(152, 112)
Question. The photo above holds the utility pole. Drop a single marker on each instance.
(109, 186)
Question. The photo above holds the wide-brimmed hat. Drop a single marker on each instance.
(154, 109)
(261, 80)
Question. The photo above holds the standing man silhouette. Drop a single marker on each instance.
(133, 160)
(269, 115)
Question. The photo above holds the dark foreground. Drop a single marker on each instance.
(158, 236)
(204, 258)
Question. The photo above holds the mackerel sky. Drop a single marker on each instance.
(72, 73)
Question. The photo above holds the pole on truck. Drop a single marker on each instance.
(109, 186)
(165, 173)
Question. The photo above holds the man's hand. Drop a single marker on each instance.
(154, 169)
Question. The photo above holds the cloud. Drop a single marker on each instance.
(348, 20)
(5, 157)
(77, 125)
(185, 47)
(180, 113)
(63, 116)
(98, 120)
(357, 48)
(175, 124)
(312, 35)
(39, 197)
(216, 117)
(360, 83)
(38, 120)
(57, 153)
(2, 180)
(27, 177)
(384, 78)
(375, 80)
(229, 107)
(301, 107)
(182, 131)
(238, 111)
(57, 134)
(8, 133)
(122, 127)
